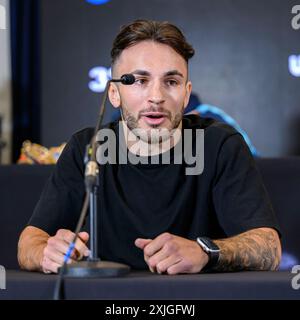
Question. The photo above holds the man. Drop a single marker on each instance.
(152, 214)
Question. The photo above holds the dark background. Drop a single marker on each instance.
(241, 66)
(241, 62)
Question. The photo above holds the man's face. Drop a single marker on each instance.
(161, 91)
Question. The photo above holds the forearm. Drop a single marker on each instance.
(30, 248)
(257, 249)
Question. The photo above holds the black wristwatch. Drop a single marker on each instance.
(211, 249)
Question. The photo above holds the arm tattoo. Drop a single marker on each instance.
(257, 249)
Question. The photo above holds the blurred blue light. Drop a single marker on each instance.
(288, 261)
(294, 65)
(99, 76)
(97, 2)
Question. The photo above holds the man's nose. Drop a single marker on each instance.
(156, 94)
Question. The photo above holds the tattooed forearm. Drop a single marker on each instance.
(257, 249)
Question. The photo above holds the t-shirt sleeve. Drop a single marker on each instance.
(240, 198)
(60, 203)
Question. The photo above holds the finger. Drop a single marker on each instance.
(180, 267)
(158, 257)
(50, 266)
(50, 253)
(141, 243)
(56, 256)
(68, 236)
(65, 235)
(146, 258)
(84, 236)
(60, 246)
(82, 249)
(156, 244)
(153, 270)
(166, 264)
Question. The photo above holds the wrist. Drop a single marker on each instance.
(212, 251)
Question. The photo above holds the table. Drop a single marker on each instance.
(145, 285)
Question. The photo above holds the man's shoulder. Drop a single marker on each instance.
(212, 127)
(216, 135)
(84, 136)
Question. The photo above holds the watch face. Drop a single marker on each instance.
(210, 245)
(211, 249)
(206, 241)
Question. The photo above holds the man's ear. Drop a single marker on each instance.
(114, 95)
(188, 89)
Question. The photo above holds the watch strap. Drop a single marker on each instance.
(212, 251)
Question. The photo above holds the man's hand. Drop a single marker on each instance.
(172, 254)
(57, 246)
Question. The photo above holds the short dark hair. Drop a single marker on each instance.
(141, 30)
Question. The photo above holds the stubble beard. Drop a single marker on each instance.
(153, 135)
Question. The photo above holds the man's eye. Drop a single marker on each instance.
(172, 82)
(141, 81)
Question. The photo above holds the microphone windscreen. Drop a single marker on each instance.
(127, 79)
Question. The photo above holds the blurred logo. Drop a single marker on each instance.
(99, 76)
(2, 278)
(296, 19)
(296, 278)
(2, 18)
(97, 2)
(294, 65)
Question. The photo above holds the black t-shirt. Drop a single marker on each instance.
(145, 200)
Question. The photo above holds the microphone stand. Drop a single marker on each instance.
(94, 267)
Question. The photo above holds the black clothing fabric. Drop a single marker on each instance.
(145, 200)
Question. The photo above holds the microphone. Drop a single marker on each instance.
(126, 79)
(93, 267)
(91, 179)
(91, 169)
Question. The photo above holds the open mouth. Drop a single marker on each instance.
(153, 118)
